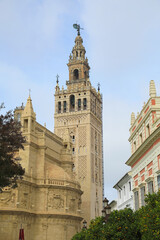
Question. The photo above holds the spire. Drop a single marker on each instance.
(132, 118)
(78, 63)
(152, 89)
(28, 110)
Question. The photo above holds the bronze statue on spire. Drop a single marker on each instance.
(77, 26)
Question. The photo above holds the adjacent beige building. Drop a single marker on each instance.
(78, 110)
(63, 181)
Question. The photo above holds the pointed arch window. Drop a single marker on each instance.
(84, 103)
(64, 106)
(59, 107)
(79, 104)
(72, 103)
(75, 74)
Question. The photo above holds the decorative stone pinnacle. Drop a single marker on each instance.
(132, 118)
(152, 89)
(29, 92)
(98, 87)
(57, 79)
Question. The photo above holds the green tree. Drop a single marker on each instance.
(121, 225)
(11, 140)
(149, 217)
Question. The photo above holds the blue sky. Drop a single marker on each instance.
(122, 44)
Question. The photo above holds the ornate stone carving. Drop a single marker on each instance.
(82, 136)
(82, 167)
(55, 201)
(7, 197)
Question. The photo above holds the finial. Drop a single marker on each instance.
(29, 92)
(132, 118)
(57, 79)
(152, 89)
(98, 87)
(77, 26)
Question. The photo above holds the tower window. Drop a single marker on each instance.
(64, 106)
(76, 54)
(73, 150)
(73, 138)
(75, 74)
(79, 104)
(25, 123)
(59, 107)
(84, 103)
(72, 103)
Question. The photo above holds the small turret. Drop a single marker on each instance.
(28, 116)
(132, 118)
(28, 110)
(152, 89)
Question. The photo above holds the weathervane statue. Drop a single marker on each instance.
(77, 26)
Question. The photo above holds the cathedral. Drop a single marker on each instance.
(63, 181)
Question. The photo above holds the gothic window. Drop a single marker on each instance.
(73, 138)
(75, 74)
(76, 54)
(73, 151)
(79, 104)
(59, 107)
(64, 106)
(25, 123)
(72, 103)
(84, 103)
(129, 186)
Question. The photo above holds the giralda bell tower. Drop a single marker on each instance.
(78, 112)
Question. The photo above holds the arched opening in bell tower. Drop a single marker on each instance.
(75, 74)
(72, 103)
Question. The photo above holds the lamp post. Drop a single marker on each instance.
(106, 209)
(84, 225)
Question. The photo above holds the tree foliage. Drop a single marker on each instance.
(149, 217)
(143, 224)
(11, 140)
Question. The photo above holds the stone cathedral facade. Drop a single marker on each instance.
(63, 181)
(78, 112)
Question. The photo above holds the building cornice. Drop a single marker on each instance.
(145, 147)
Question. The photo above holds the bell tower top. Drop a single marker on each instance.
(78, 63)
